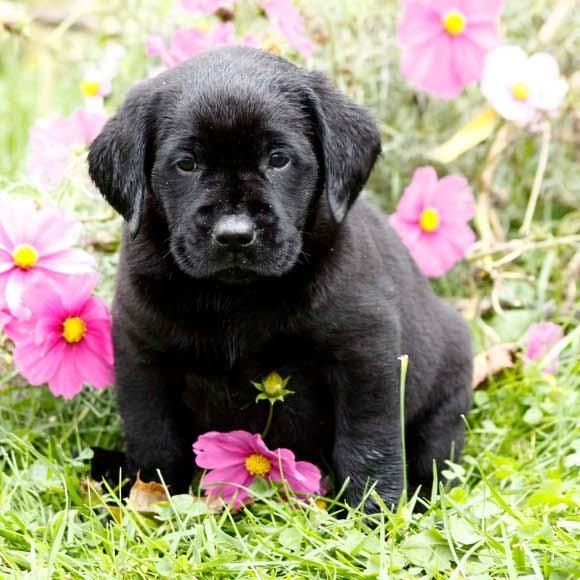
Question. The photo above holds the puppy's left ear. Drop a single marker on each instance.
(349, 140)
(119, 156)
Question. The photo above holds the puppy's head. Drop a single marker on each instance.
(234, 148)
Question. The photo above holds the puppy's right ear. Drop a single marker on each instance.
(119, 156)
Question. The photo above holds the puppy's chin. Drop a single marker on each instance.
(237, 269)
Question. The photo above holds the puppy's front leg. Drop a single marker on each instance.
(367, 446)
(158, 435)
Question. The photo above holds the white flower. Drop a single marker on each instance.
(523, 88)
(96, 81)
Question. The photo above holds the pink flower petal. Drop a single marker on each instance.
(437, 61)
(430, 67)
(541, 338)
(218, 459)
(455, 189)
(67, 381)
(15, 215)
(36, 369)
(6, 262)
(16, 282)
(228, 474)
(423, 184)
(95, 370)
(468, 60)
(483, 9)
(70, 262)
(236, 442)
(419, 24)
(54, 231)
(438, 251)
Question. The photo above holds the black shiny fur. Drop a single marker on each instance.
(327, 295)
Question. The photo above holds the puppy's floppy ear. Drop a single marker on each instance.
(119, 156)
(349, 140)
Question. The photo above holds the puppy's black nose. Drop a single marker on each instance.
(235, 232)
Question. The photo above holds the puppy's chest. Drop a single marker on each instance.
(225, 398)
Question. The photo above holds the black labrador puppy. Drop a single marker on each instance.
(245, 251)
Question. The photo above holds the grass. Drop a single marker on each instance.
(514, 511)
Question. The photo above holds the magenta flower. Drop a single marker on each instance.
(54, 143)
(288, 20)
(541, 338)
(445, 41)
(189, 42)
(5, 318)
(431, 219)
(36, 244)
(65, 340)
(235, 459)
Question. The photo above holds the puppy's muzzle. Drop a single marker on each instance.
(234, 232)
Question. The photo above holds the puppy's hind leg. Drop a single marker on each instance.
(439, 434)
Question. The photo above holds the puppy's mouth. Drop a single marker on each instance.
(234, 267)
(236, 276)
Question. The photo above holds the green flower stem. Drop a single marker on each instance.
(404, 365)
(538, 179)
(269, 421)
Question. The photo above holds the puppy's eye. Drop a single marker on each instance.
(186, 164)
(279, 160)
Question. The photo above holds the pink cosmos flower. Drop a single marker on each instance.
(55, 141)
(36, 244)
(66, 339)
(431, 219)
(289, 22)
(206, 6)
(189, 42)
(5, 318)
(542, 337)
(445, 41)
(236, 458)
(522, 88)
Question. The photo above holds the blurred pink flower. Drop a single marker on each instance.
(541, 338)
(55, 141)
(186, 43)
(207, 6)
(236, 458)
(431, 219)
(5, 318)
(36, 244)
(65, 340)
(289, 22)
(522, 88)
(445, 41)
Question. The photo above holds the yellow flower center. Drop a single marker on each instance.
(90, 88)
(454, 22)
(74, 329)
(429, 219)
(270, 45)
(25, 256)
(257, 464)
(520, 91)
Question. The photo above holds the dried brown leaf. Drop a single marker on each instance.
(492, 361)
(144, 495)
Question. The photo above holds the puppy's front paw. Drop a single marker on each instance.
(111, 466)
